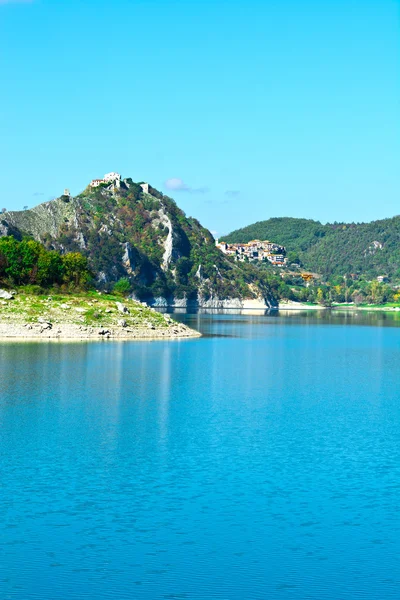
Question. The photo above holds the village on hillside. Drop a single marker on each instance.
(255, 250)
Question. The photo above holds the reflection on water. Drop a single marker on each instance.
(206, 320)
(260, 461)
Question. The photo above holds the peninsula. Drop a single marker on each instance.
(85, 316)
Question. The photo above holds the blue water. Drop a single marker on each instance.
(261, 461)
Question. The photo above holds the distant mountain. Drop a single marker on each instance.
(135, 232)
(370, 249)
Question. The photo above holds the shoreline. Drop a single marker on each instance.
(71, 332)
(300, 306)
(85, 316)
(366, 308)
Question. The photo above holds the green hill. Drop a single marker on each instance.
(141, 237)
(368, 249)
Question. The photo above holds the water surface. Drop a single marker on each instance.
(260, 461)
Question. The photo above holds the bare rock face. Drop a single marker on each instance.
(6, 295)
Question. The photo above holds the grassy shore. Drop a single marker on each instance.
(86, 315)
(390, 306)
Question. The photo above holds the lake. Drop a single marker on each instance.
(260, 461)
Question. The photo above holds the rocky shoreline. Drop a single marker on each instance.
(41, 331)
(93, 316)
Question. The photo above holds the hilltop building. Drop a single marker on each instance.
(108, 178)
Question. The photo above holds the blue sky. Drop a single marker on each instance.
(254, 108)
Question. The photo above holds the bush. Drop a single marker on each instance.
(122, 286)
(34, 290)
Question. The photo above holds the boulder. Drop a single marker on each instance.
(122, 323)
(6, 295)
(122, 308)
(43, 321)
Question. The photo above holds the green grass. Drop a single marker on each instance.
(83, 308)
(382, 306)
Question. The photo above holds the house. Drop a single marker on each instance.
(96, 182)
(255, 250)
(276, 259)
(382, 279)
(109, 178)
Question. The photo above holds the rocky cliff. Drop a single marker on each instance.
(169, 259)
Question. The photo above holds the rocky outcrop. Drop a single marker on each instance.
(44, 219)
(213, 302)
(168, 244)
(128, 259)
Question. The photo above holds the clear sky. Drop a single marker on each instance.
(254, 108)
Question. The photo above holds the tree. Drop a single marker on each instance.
(183, 268)
(320, 296)
(75, 267)
(293, 258)
(49, 268)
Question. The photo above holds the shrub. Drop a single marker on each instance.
(122, 286)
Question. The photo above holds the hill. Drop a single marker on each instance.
(134, 233)
(369, 249)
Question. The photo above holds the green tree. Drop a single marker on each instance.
(320, 296)
(76, 271)
(49, 268)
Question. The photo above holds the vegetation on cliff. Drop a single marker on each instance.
(141, 238)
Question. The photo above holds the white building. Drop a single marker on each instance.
(109, 178)
(112, 177)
